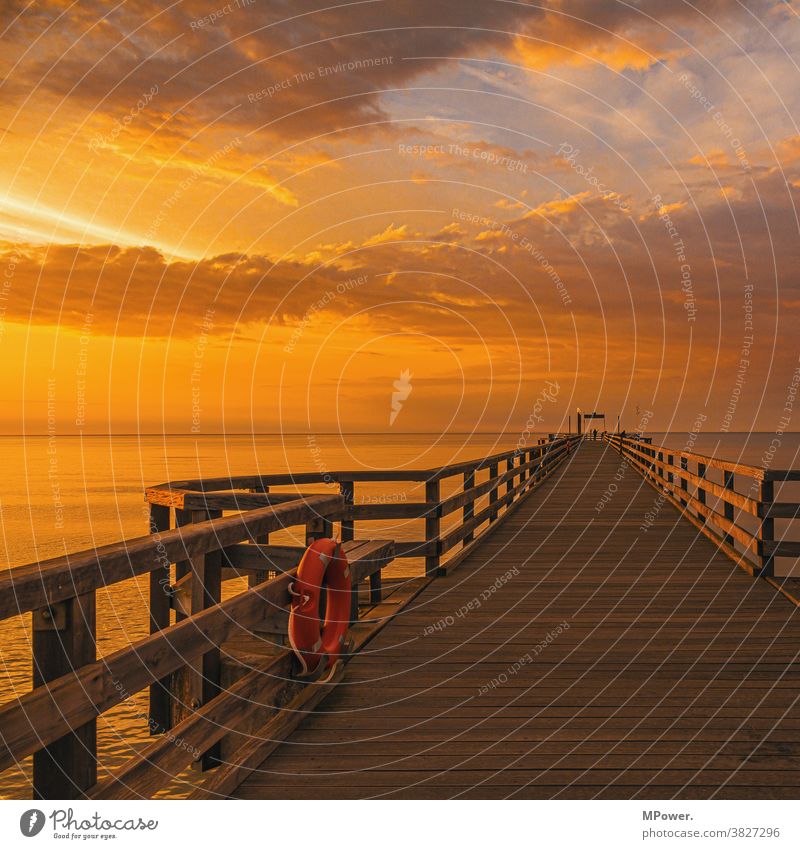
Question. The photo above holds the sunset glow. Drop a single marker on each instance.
(243, 217)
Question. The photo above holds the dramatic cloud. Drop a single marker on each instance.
(581, 188)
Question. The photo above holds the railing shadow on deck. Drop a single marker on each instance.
(740, 523)
(205, 532)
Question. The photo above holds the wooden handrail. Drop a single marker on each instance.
(203, 491)
(37, 585)
(758, 548)
(754, 472)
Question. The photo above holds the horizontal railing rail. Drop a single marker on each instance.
(718, 508)
(203, 533)
(37, 585)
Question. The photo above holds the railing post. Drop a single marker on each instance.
(684, 481)
(204, 682)
(64, 641)
(537, 472)
(766, 530)
(432, 524)
(469, 507)
(256, 578)
(198, 682)
(727, 478)
(671, 463)
(178, 680)
(701, 493)
(375, 588)
(347, 490)
(182, 567)
(354, 602)
(510, 481)
(160, 719)
(317, 528)
(493, 492)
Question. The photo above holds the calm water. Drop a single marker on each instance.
(73, 493)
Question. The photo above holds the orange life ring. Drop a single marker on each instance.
(318, 645)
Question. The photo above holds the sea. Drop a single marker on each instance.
(70, 493)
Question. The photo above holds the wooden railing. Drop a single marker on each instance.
(737, 511)
(203, 533)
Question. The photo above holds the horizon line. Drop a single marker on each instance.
(358, 433)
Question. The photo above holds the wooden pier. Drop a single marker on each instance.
(601, 620)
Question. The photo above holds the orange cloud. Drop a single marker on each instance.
(390, 234)
(538, 52)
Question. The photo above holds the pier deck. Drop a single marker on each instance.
(677, 675)
(587, 619)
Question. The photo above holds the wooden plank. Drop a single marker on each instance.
(166, 496)
(728, 478)
(765, 547)
(432, 525)
(67, 766)
(392, 510)
(260, 558)
(370, 558)
(415, 548)
(160, 717)
(160, 492)
(780, 510)
(183, 570)
(228, 499)
(204, 678)
(493, 470)
(780, 548)
(347, 491)
(684, 468)
(238, 500)
(228, 777)
(781, 475)
(469, 507)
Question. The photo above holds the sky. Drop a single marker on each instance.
(398, 216)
